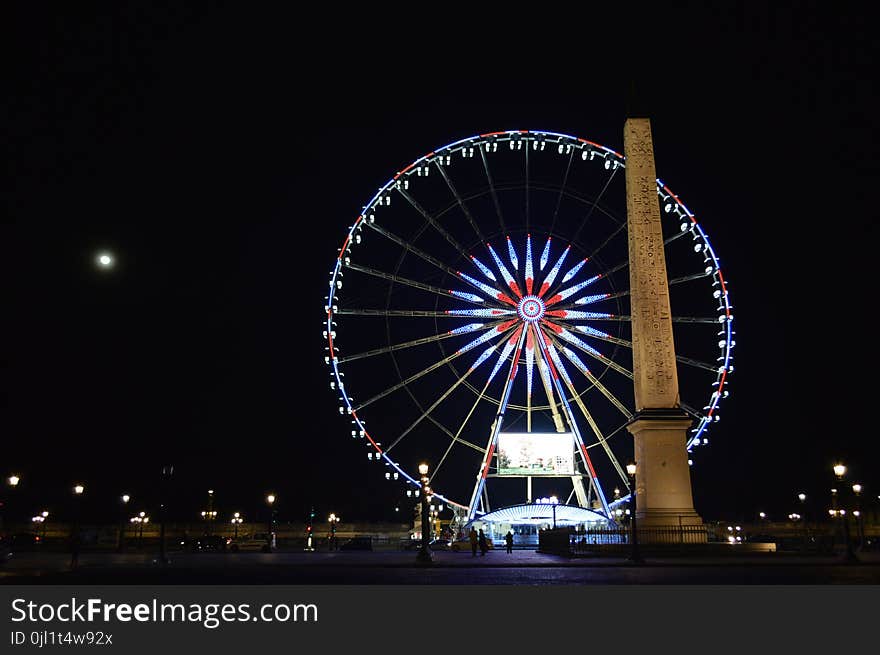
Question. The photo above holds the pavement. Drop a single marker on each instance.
(400, 567)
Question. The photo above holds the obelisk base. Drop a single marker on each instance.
(664, 504)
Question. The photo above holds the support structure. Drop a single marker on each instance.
(660, 426)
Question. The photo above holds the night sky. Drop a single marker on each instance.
(222, 157)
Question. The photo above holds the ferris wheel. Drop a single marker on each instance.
(484, 289)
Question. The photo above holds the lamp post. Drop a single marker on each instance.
(12, 481)
(554, 501)
(236, 521)
(424, 554)
(333, 520)
(210, 514)
(635, 556)
(78, 490)
(123, 500)
(849, 555)
(857, 490)
(167, 471)
(803, 498)
(310, 526)
(270, 525)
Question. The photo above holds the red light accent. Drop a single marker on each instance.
(488, 460)
(555, 299)
(559, 313)
(589, 461)
(529, 283)
(543, 290)
(504, 298)
(556, 328)
(513, 287)
(344, 246)
(506, 325)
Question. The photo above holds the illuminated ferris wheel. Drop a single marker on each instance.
(483, 292)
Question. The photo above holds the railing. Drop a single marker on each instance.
(664, 534)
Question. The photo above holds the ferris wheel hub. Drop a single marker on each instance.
(531, 309)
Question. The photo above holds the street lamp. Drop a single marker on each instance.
(333, 520)
(424, 554)
(13, 480)
(78, 490)
(850, 556)
(270, 526)
(120, 545)
(803, 498)
(236, 521)
(553, 500)
(857, 490)
(635, 556)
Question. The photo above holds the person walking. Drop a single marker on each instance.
(484, 545)
(472, 536)
(508, 541)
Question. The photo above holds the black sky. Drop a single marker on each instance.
(222, 154)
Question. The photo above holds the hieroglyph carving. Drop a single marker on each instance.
(654, 372)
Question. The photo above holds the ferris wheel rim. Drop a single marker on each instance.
(617, 159)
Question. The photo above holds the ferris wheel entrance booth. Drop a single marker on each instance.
(525, 521)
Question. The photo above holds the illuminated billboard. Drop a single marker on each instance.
(535, 453)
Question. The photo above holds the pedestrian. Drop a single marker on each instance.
(484, 545)
(472, 536)
(508, 541)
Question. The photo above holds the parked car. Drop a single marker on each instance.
(25, 541)
(208, 543)
(358, 543)
(257, 542)
(440, 544)
(465, 544)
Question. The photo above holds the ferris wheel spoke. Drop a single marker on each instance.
(688, 278)
(492, 190)
(488, 335)
(553, 360)
(578, 364)
(548, 281)
(597, 432)
(527, 189)
(425, 256)
(430, 409)
(694, 413)
(593, 206)
(544, 374)
(418, 313)
(570, 291)
(561, 191)
(449, 293)
(588, 349)
(695, 319)
(419, 342)
(433, 222)
(460, 202)
(456, 438)
(620, 228)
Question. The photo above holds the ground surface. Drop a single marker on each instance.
(400, 568)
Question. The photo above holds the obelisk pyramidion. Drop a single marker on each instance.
(659, 428)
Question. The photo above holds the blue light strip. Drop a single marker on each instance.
(574, 271)
(472, 297)
(485, 269)
(577, 287)
(512, 254)
(545, 255)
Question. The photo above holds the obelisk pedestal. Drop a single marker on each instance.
(659, 428)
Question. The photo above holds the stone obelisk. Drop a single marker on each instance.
(659, 428)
